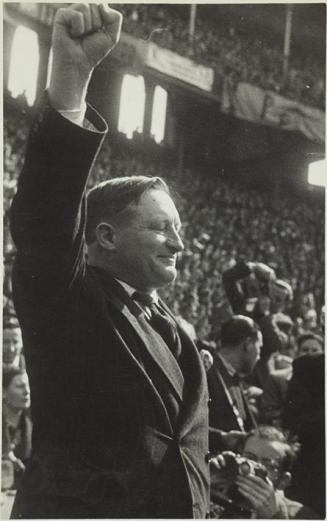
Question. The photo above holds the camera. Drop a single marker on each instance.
(226, 495)
(237, 465)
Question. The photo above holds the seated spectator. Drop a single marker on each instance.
(304, 416)
(12, 344)
(241, 342)
(16, 423)
(310, 322)
(275, 389)
(260, 492)
(252, 289)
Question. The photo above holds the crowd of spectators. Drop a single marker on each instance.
(221, 224)
(233, 55)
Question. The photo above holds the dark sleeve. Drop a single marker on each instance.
(271, 401)
(48, 210)
(271, 335)
(231, 281)
(304, 412)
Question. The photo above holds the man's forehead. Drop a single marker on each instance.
(156, 202)
(21, 378)
(311, 342)
(12, 333)
(263, 448)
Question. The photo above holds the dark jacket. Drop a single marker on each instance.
(120, 428)
(271, 335)
(304, 415)
(224, 413)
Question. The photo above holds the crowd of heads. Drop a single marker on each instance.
(221, 223)
(230, 51)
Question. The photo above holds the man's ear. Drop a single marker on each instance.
(105, 234)
(246, 343)
(284, 481)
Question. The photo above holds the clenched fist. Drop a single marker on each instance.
(83, 34)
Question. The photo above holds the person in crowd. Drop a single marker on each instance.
(119, 393)
(253, 290)
(241, 342)
(12, 344)
(185, 318)
(304, 416)
(16, 422)
(275, 389)
(263, 491)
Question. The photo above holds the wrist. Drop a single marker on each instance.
(68, 87)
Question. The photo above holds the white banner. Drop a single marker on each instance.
(179, 67)
(266, 107)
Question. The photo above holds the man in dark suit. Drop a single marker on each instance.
(241, 342)
(119, 393)
(304, 416)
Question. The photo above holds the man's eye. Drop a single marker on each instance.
(160, 227)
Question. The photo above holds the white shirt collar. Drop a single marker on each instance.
(130, 290)
(229, 368)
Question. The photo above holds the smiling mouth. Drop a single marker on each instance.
(168, 259)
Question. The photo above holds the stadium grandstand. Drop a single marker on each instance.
(227, 104)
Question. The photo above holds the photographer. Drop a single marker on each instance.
(253, 290)
(252, 485)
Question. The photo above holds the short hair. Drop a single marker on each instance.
(10, 322)
(310, 336)
(282, 284)
(237, 329)
(8, 374)
(110, 199)
(270, 433)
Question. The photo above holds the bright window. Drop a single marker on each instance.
(49, 68)
(158, 120)
(24, 64)
(132, 102)
(317, 173)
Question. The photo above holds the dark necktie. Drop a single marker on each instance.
(160, 321)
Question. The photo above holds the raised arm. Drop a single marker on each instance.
(48, 213)
(82, 36)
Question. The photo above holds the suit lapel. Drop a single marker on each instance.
(196, 396)
(151, 340)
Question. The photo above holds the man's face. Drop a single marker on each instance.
(270, 453)
(252, 353)
(147, 243)
(12, 344)
(310, 346)
(279, 296)
(17, 394)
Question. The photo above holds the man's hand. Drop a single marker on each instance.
(261, 495)
(233, 439)
(262, 271)
(83, 35)
(219, 482)
(206, 358)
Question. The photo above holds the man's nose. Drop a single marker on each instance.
(175, 241)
